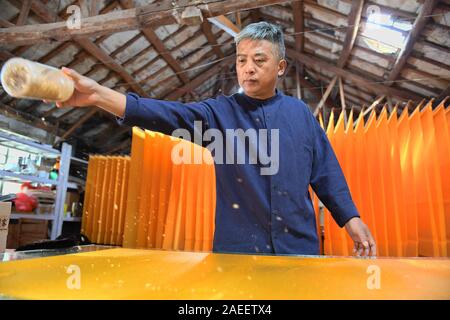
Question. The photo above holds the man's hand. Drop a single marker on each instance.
(89, 93)
(85, 91)
(362, 238)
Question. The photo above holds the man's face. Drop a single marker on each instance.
(258, 68)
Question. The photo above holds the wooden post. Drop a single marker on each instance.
(325, 95)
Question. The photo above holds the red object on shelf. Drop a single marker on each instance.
(25, 202)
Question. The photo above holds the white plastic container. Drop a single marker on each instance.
(27, 79)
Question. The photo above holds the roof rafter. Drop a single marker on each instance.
(372, 86)
(155, 14)
(194, 83)
(159, 46)
(24, 11)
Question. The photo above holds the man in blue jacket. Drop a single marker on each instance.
(263, 203)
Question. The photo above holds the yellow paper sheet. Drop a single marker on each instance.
(154, 274)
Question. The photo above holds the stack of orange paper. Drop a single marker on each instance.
(170, 206)
(166, 205)
(105, 199)
(398, 172)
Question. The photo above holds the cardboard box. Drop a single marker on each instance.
(5, 213)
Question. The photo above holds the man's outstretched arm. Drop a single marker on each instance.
(132, 110)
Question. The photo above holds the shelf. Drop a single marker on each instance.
(32, 216)
(72, 219)
(17, 215)
(74, 182)
(74, 159)
(20, 177)
(27, 145)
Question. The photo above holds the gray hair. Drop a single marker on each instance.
(263, 31)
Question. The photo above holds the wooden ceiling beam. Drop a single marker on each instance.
(299, 24)
(194, 83)
(375, 87)
(6, 24)
(159, 46)
(212, 40)
(354, 20)
(201, 59)
(152, 15)
(24, 11)
(149, 48)
(137, 71)
(225, 24)
(299, 30)
(102, 56)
